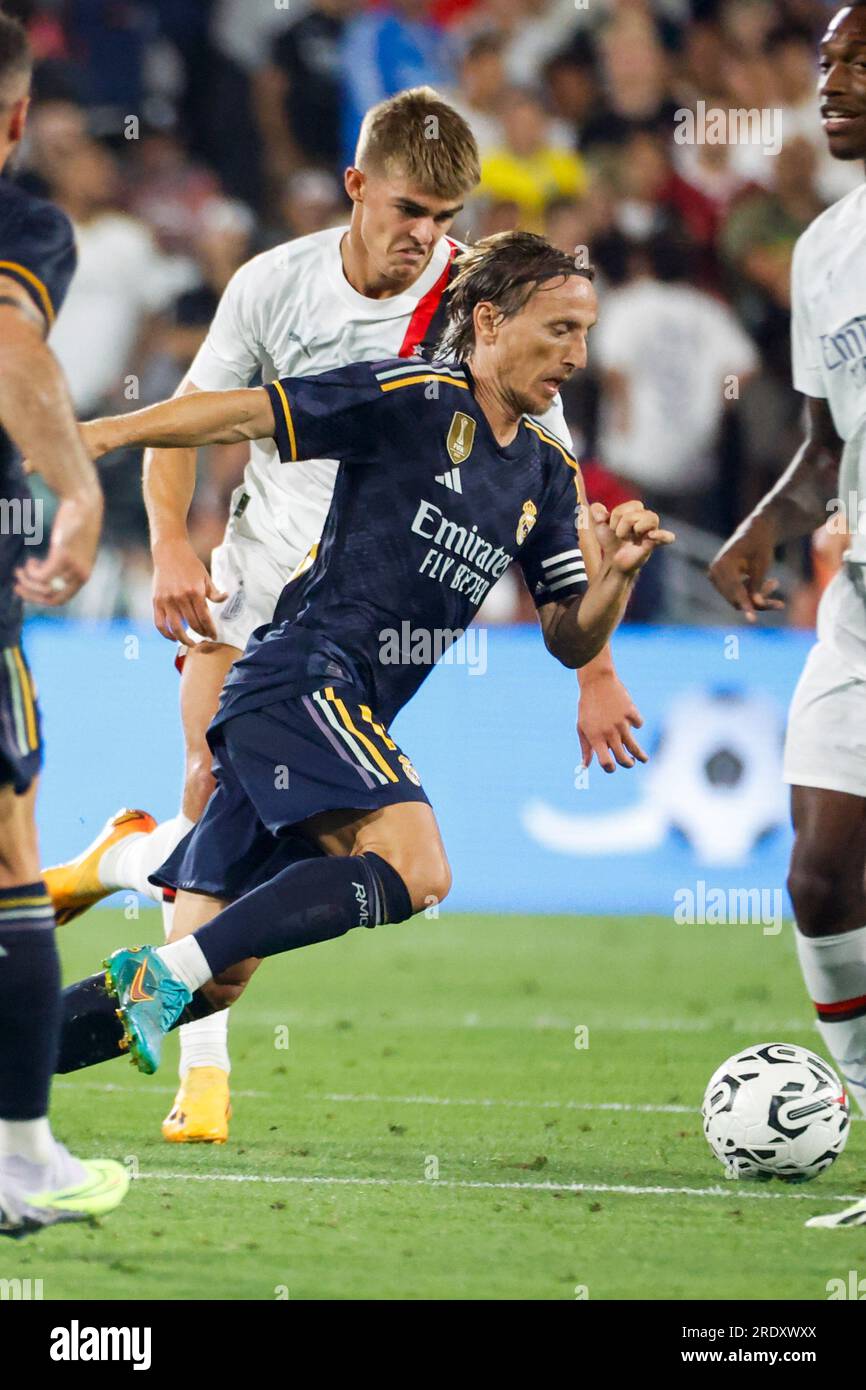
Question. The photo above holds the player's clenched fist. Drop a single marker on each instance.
(629, 534)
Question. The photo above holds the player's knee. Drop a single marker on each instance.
(427, 877)
(822, 898)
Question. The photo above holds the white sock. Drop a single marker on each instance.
(185, 959)
(205, 1043)
(834, 968)
(128, 863)
(30, 1139)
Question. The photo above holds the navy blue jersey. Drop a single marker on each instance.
(37, 249)
(428, 512)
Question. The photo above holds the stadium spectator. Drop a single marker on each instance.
(110, 44)
(653, 196)
(385, 51)
(759, 234)
(532, 30)
(168, 189)
(241, 34)
(299, 90)
(528, 169)
(635, 81)
(571, 81)
(312, 200)
(671, 356)
(121, 280)
(699, 69)
(54, 130)
(481, 88)
(489, 216)
(223, 243)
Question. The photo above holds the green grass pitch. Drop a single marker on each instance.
(431, 1130)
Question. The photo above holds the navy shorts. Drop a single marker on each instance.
(275, 768)
(20, 726)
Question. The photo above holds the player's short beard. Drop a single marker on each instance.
(520, 405)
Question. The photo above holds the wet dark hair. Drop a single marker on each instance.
(505, 270)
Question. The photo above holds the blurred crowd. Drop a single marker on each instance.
(183, 136)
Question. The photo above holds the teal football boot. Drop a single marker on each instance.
(151, 1000)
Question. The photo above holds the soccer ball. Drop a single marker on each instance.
(776, 1110)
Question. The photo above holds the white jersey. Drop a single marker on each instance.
(828, 351)
(292, 312)
(828, 311)
(674, 345)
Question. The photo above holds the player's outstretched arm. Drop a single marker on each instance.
(576, 630)
(796, 506)
(37, 414)
(204, 417)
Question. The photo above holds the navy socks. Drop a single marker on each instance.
(317, 900)
(29, 1001)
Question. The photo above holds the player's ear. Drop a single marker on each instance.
(484, 317)
(17, 119)
(353, 182)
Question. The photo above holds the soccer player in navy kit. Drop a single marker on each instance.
(319, 822)
(40, 1182)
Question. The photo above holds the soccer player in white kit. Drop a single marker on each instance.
(825, 749)
(364, 293)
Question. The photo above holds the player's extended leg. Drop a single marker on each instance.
(826, 883)
(380, 866)
(201, 1109)
(82, 882)
(123, 855)
(131, 845)
(40, 1182)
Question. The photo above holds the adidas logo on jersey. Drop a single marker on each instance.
(451, 479)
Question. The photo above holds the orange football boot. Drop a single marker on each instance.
(201, 1110)
(76, 886)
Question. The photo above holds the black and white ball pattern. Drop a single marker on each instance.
(776, 1110)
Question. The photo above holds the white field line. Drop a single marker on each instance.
(733, 1189)
(614, 1105)
(484, 1102)
(478, 1023)
(608, 1105)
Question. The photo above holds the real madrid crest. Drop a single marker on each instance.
(409, 770)
(527, 521)
(461, 437)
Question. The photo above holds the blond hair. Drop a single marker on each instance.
(421, 136)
